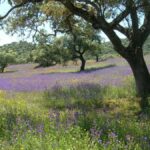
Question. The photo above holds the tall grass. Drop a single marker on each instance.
(82, 117)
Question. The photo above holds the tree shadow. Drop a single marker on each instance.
(99, 68)
(78, 102)
(40, 66)
(88, 70)
(7, 72)
(84, 96)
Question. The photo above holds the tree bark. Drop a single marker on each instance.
(97, 58)
(141, 76)
(2, 68)
(83, 61)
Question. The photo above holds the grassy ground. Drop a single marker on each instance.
(24, 77)
(82, 116)
(90, 118)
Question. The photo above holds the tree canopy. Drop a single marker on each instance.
(22, 49)
(5, 59)
(109, 16)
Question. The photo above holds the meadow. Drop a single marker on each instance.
(59, 108)
(24, 77)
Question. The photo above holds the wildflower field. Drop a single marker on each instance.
(59, 108)
(24, 77)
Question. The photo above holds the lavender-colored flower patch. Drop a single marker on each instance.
(26, 78)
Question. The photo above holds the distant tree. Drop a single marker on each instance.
(82, 39)
(22, 49)
(96, 51)
(44, 56)
(78, 46)
(62, 51)
(50, 53)
(5, 59)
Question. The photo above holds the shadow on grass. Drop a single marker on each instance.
(99, 68)
(88, 70)
(7, 72)
(92, 97)
(84, 96)
(89, 101)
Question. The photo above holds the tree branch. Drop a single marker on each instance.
(98, 22)
(91, 3)
(123, 30)
(134, 19)
(90, 17)
(119, 18)
(11, 9)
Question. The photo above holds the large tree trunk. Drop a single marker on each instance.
(141, 75)
(83, 61)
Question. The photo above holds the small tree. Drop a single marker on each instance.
(78, 46)
(5, 59)
(44, 56)
(49, 53)
(96, 50)
(82, 39)
(43, 53)
(61, 50)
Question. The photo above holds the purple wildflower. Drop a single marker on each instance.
(40, 128)
(26, 78)
(112, 135)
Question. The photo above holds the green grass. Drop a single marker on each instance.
(77, 118)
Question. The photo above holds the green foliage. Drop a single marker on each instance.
(48, 54)
(22, 49)
(81, 39)
(63, 53)
(6, 58)
(45, 57)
